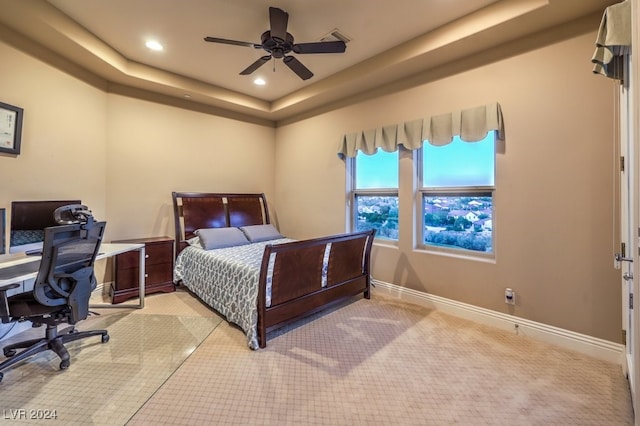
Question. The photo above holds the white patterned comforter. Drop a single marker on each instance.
(227, 280)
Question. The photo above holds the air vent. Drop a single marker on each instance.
(335, 35)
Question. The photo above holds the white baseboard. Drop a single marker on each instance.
(592, 346)
(100, 288)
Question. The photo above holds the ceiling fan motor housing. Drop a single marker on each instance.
(275, 45)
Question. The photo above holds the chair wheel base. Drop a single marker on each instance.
(105, 338)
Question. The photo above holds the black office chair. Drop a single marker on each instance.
(62, 288)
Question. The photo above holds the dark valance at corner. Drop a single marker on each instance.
(470, 124)
(613, 41)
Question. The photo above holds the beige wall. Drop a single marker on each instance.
(553, 203)
(64, 134)
(155, 149)
(553, 208)
(120, 155)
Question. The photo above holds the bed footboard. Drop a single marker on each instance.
(309, 275)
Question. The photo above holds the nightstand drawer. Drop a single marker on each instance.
(154, 274)
(158, 265)
(154, 254)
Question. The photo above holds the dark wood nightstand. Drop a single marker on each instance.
(158, 269)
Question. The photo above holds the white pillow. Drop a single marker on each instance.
(215, 238)
(257, 233)
(195, 241)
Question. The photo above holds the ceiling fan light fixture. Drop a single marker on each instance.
(259, 81)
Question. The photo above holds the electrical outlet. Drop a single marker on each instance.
(509, 296)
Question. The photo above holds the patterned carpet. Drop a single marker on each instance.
(106, 383)
(382, 361)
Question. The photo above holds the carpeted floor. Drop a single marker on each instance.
(382, 361)
(368, 362)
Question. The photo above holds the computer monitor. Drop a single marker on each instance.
(28, 221)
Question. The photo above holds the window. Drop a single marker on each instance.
(453, 181)
(375, 193)
(458, 182)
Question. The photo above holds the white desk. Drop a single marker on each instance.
(20, 267)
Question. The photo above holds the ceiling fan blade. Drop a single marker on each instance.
(278, 19)
(297, 67)
(257, 64)
(321, 47)
(232, 42)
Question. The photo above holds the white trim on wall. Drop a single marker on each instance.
(588, 345)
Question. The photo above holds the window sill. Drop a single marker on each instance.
(385, 243)
(483, 258)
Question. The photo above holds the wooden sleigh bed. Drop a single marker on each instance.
(265, 282)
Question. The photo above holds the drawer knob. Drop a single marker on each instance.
(146, 256)
(146, 275)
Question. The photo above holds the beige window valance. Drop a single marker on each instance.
(470, 124)
(613, 41)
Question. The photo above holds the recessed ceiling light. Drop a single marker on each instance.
(154, 45)
(259, 82)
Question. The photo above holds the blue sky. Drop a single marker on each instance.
(456, 164)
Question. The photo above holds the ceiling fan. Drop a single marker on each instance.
(278, 43)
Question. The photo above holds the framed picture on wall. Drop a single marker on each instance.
(10, 128)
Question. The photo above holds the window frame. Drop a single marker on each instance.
(457, 191)
(353, 193)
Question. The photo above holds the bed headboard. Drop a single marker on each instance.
(196, 210)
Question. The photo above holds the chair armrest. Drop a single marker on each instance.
(4, 304)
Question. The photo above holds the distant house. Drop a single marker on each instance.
(483, 224)
(370, 209)
(470, 216)
(430, 208)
